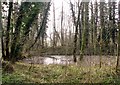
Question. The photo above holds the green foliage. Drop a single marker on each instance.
(28, 13)
(12, 78)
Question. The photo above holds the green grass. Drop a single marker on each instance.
(0, 76)
(61, 74)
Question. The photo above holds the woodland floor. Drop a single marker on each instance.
(25, 73)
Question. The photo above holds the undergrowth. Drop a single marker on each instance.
(24, 73)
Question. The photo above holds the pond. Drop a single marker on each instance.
(51, 59)
(64, 60)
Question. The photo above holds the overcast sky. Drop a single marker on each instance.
(67, 12)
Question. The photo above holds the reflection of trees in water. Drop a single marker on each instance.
(48, 60)
(62, 60)
(34, 60)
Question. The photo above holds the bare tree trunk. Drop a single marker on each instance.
(62, 30)
(82, 31)
(114, 26)
(95, 26)
(8, 30)
(101, 30)
(54, 29)
(2, 43)
(1, 30)
(43, 38)
(118, 44)
(92, 26)
(86, 24)
(76, 24)
(111, 25)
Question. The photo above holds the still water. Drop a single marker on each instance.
(63, 60)
(53, 59)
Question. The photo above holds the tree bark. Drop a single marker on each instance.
(118, 44)
(76, 24)
(62, 30)
(95, 27)
(1, 34)
(8, 30)
(101, 30)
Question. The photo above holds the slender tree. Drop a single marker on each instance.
(101, 29)
(54, 28)
(86, 24)
(85, 27)
(76, 24)
(95, 25)
(8, 30)
(2, 31)
(118, 44)
(82, 31)
(43, 23)
(92, 25)
(62, 30)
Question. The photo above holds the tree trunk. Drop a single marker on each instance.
(118, 44)
(101, 30)
(95, 26)
(76, 24)
(86, 25)
(82, 31)
(85, 28)
(62, 30)
(54, 29)
(16, 37)
(1, 34)
(92, 26)
(8, 30)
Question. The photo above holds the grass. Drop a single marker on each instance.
(0, 75)
(61, 74)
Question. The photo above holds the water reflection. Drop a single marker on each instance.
(49, 60)
(58, 59)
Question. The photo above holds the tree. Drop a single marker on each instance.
(118, 44)
(62, 30)
(54, 28)
(76, 24)
(92, 25)
(86, 24)
(101, 29)
(43, 24)
(21, 27)
(112, 24)
(0, 31)
(95, 25)
(16, 44)
(82, 31)
(85, 28)
(7, 57)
